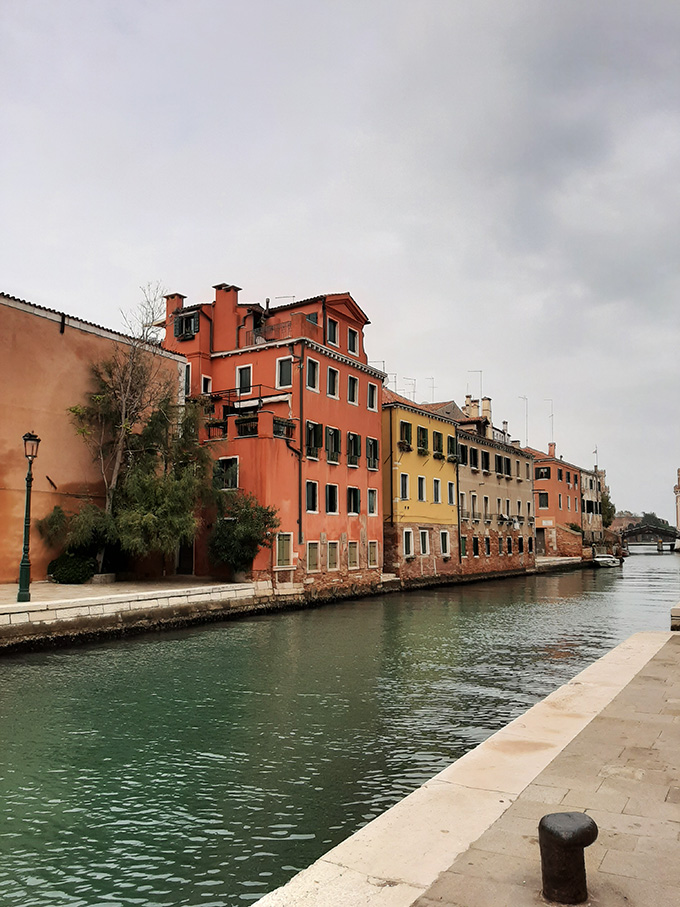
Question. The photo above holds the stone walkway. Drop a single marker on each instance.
(607, 743)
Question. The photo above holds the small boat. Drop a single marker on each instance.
(606, 560)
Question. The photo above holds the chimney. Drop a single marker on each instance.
(474, 409)
(172, 301)
(551, 449)
(467, 409)
(486, 408)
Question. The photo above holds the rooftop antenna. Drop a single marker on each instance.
(433, 385)
(526, 418)
(413, 382)
(390, 376)
(477, 371)
(552, 419)
(284, 297)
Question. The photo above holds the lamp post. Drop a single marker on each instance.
(31, 442)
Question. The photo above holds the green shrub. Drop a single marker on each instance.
(71, 567)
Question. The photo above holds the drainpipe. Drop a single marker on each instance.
(323, 315)
(301, 372)
(460, 544)
(392, 470)
(209, 317)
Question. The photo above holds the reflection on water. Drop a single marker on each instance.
(205, 767)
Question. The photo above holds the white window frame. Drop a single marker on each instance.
(239, 369)
(336, 395)
(451, 492)
(436, 491)
(187, 379)
(374, 388)
(206, 384)
(278, 373)
(316, 569)
(337, 499)
(353, 512)
(353, 381)
(352, 545)
(444, 543)
(408, 534)
(312, 387)
(424, 534)
(230, 487)
(352, 332)
(336, 546)
(372, 501)
(373, 547)
(402, 476)
(288, 565)
(333, 321)
(422, 489)
(308, 484)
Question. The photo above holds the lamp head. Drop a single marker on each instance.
(31, 443)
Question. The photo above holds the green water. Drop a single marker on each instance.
(206, 767)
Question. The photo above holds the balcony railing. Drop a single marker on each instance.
(268, 333)
(372, 462)
(247, 428)
(283, 428)
(332, 456)
(476, 515)
(465, 514)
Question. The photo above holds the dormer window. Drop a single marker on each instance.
(353, 341)
(186, 326)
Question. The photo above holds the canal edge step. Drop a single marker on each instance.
(396, 858)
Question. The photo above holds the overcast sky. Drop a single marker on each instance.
(497, 184)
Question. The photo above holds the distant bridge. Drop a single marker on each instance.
(651, 535)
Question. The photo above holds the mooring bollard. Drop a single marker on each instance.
(562, 838)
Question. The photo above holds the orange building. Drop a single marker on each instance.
(293, 416)
(45, 364)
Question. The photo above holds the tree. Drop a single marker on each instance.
(608, 509)
(651, 519)
(243, 526)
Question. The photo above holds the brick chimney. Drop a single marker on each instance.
(551, 449)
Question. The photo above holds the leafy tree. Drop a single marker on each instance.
(243, 526)
(651, 519)
(608, 509)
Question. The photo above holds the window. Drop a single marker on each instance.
(372, 399)
(206, 384)
(353, 390)
(473, 505)
(530, 542)
(405, 434)
(313, 317)
(332, 445)
(284, 372)
(498, 461)
(372, 501)
(507, 507)
(436, 491)
(372, 453)
(332, 382)
(424, 537)
(422, 440)
(520, 544)
(568, 503)
(438, 444)
(529, 508)
(450, 448)
(542, 472)
(244, 379)
(332, 499)
(312, 497)
(474, 458)
(312, 557)
(187, 379)
(487, 511)
(186, 326)
(352, 341)
(519, 508)
(353, 448)
(500, 544)
(372, 554)
(421, 488)
(452, 494)
(487, 545)
(444, 543)
(568, 478)
(332, 331)
(333, 558)
(528, 470)
(517, 468)
(475, 546)
(499, 508)
(463, 546)
(403, 486)
(463, 454)
(575, 479)
(560, 475)
(485, 461)
(542, 500)
(353, 555)
(313, 375)
(559, 501)
(226, 472)
(507, 466)
(509, 544)
(284, 549)
(463, 512)
(353, 500)
(575, 505)
(313, 439)
(408, 542)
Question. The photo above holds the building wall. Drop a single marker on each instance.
(45, 364)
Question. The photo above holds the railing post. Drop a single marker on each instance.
(562, 838)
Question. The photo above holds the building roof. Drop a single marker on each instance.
(542, 455)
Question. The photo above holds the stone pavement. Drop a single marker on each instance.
(607, 743)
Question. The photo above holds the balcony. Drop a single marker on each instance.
(216, 428)
(465, 514)
(352, 459)
(268, 333)
(283, 428)
(333, 456)
(476, 516)
(246, 427)
(372, 462)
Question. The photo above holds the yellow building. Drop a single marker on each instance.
(420, 492)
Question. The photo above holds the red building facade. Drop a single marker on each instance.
(293, 417)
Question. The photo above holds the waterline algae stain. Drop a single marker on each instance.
(206, 767)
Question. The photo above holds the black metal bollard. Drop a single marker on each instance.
(562, 838)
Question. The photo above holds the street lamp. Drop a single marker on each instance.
(31, 442)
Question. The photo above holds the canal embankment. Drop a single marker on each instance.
(67, 614)
(604, 743)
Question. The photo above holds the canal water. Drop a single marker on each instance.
(205, 767)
